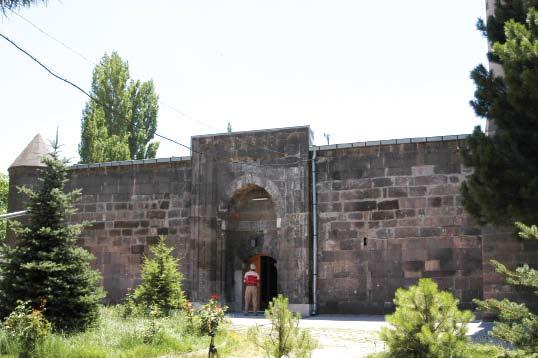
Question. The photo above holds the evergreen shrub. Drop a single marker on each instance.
(285, 338)
(427, 324)
(46, 263)
(516, 323)
(161, 286)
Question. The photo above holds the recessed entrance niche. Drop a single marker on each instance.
(250, 234)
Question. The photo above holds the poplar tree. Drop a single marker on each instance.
(120, 120)
(504, 185)
(45, 265)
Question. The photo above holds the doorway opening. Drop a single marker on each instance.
(250, 236)
(266, 269)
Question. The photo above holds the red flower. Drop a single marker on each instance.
(215, 297)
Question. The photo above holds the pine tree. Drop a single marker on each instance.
(161, 285)
(285, 338)
(504, 185)
(45, 265)
(427, 324)
(120, 120)
(516, 323)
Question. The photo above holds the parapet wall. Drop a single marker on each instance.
(132, 203)
(389, 214)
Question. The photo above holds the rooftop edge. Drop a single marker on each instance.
(373, 143)
(321, 147)
(247, 132)
(129, 162)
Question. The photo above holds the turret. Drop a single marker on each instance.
(25, 171)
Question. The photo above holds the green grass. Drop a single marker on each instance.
(116, 337)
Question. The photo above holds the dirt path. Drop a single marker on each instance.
(346, 335)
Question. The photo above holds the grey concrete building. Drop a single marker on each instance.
(335, 228)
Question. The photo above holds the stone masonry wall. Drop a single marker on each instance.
(223, 164)
(388, 215)
(130, 205)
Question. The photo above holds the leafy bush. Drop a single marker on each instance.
(211, 315)
(190, 315)
(113, 336)
(153, 332)
(285, 338)
(427, 323)
(27, 327)
(161, 281)
(129, 307)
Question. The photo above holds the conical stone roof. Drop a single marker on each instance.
(32, 155)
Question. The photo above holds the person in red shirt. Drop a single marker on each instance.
(251, 281)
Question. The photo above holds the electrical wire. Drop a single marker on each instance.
(53, 73)
(85, 58)
(45, 67)
(56, 75)
(176, 142)
(79, 54)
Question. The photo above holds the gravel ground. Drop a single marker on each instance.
(347, 335)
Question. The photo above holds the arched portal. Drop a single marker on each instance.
(250, 232)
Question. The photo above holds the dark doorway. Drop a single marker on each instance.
(268, 286)
(266, 268)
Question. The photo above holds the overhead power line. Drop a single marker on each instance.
(45, 67)
(58, 76)
(85, 58)
(176, 142)
(53, 73)
(79, 54)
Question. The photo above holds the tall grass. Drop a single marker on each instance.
(114, 336)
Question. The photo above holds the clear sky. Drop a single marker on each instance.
(357, 69)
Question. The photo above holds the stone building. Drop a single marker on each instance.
(335, 228)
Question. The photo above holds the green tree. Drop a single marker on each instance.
(14, 4)
(229, 127)
(4, 188)
(427, 324)
(120, 120)
(504, 185)
(46, 265)
(516, 323)
(161, 285)
(285, 338)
